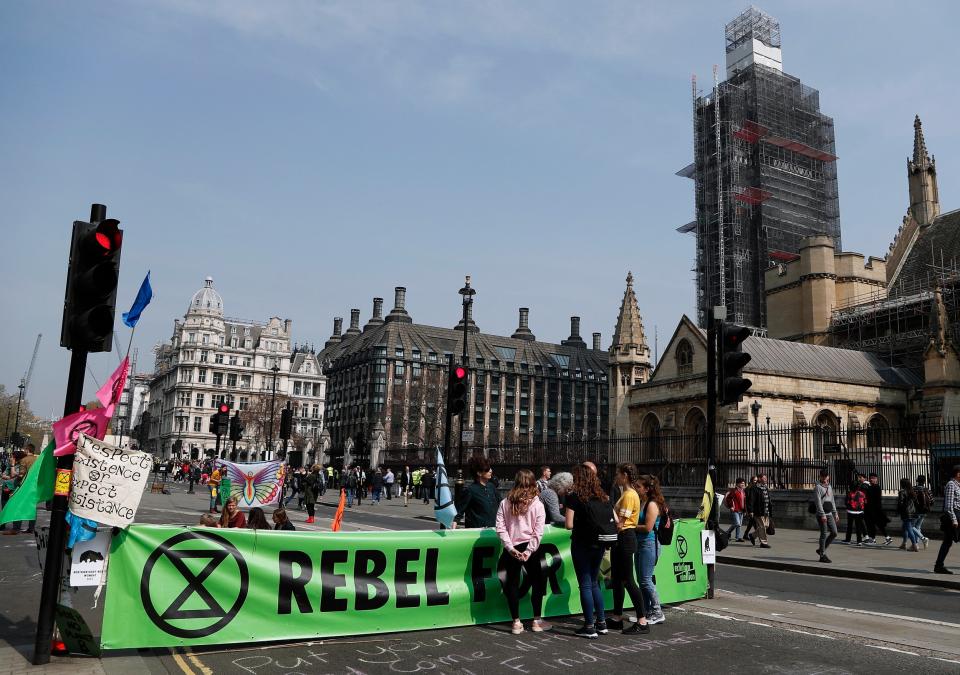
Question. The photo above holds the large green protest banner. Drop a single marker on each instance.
(170, 586)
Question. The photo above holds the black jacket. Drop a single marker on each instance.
(755, 500)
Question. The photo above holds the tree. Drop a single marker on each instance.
(256, 417)
(31, 427)
(426, 408)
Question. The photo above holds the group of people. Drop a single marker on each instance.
(620, 525)
(752, 509)
(13, 469)
(256, 519)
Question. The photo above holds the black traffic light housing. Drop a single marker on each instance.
(220, 421)
(457, 389)
(731, 361)
(236, 427)
(91, 296)
(286, 423)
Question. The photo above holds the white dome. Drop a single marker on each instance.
(206, 300)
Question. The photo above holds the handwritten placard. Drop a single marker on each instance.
(108, 482)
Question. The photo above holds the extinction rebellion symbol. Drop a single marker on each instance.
(174, 586)
(683, 570)
(682, 547)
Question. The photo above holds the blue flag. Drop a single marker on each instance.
(443, 509)
(144, 296)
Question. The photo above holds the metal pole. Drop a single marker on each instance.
(712, 347)
(16, 423)
(446, 426)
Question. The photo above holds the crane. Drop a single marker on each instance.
(24, 383)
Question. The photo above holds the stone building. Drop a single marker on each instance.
(387, 383)
(629, 360)
(211, 359)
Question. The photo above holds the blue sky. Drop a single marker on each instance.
(312, 155)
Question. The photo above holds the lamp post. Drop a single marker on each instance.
(273, 404)
(755, 409)
(467, 292)
(181, 417)
(16, 424)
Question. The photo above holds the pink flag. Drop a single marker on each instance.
(109, 393)
(91, 422)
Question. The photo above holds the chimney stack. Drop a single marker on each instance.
(377, 318)
(523, 329)
(337, 327)
(596, 341)
(354, 328)
(574, 340)
(399, 312)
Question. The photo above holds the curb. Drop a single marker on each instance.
(937, 582)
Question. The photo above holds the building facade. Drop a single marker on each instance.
(253, 366)
(764, 170)
(387, 384)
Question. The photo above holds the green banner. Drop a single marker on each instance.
(170, 586)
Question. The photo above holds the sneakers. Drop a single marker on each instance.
(655, 619)
(942, 570)
(539, 626)
(889, 540)
(926, 542)
(517, 627)
(601, 627)
(587, 631)
(762, 545)
(616, 624)
(870, 540)
(845, 542)
(824, 559)
(636, 628)
(739, 541)
(753, 539)
(903, 546)
(859, 544)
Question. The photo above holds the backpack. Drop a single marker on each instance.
(664, 529)
(924, 500)
(602, 525)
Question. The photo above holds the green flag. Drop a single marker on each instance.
(37, 486)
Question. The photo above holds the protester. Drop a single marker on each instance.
(388, 480)
(378, 483)
(627, 512)
(648, 548)
(950, 520)
(406, 484)
(281, 521)
(232, 516)
(544, 478)
(207, 520)
(257, 520)
(907, 510)
(428, 481)
(761, 506)
(19, 473)
(552, 494)
(924, 500)
(213, 483)
(826, 514)
(311, 485)
(585, 548)
(856, 501)
(876, 518)
(296, 486)
(519, 522)
(477, 504)
(735, 500)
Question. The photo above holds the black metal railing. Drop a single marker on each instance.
(792, 456)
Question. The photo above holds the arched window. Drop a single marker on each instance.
(826, 433)
(650, 430)
(684, 358)
(877, 431)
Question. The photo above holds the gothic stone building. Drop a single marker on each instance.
(387, 383)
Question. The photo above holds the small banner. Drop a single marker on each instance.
(88, 560)
(170, 586)
(253, 484)
(108, 482)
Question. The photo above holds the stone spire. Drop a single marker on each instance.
(920, 156)
(922, 180)
(629, 331)
(629, 360)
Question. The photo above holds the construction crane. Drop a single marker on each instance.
(24, 383)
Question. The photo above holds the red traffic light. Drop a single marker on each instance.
(224, 408)
(460, 372)
(108, 235)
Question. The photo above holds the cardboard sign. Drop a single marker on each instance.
(75, 632)
(708, 547)
(108, 482)
(88, 564)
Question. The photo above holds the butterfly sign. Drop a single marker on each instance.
(256, 483)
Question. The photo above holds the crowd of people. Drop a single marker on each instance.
(13, 469)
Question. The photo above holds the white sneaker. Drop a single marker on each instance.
(888, 541)
(926, 542)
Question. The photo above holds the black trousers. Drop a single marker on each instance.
(855, 521)
(876, 523)
(310, 507)
(511, 581)
(621, 572)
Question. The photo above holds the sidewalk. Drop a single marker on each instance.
(795, 551)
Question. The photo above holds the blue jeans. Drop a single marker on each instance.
(586, 562)
(350, 492)
(918, 524)
(376, 494)
(737, 523)
(910, 531)
(648, 551)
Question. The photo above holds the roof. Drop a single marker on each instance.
(937, 244)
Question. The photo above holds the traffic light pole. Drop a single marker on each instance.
(56, 538)
(712, 349)
(449, 417)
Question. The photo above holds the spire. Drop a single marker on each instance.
(629, 330)
(922, 180)
(920, 156)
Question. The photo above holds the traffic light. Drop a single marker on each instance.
(457, 390)
(236, 427)
(91, 295)
(177, 446)
(731, 361)
(223, 419)
(286, 423)
(214, 418)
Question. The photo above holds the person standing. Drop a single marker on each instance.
(748, 515)
(826, 514)
(907, 510)
(876, 518)
(349, 480)
(378, 481)
(388, 480)
(477, 504)
(519, 523)
(949, 521)
(551, 495)
(406, 484)
(760, 505)
(648, 548)
(735, 500)
(856, 501)
(19, 472)
(585, 548)
(627, 511)
(311, 487)
(544, 478)
(213, 484)
(924, 500)
(428, 482)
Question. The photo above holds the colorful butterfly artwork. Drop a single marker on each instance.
(255, 484)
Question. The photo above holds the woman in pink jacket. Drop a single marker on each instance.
(520, 521)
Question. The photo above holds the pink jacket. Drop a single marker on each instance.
(514, 530)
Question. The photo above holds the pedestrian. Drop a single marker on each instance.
(378, 483)
(350, 484)
(827, 516)
(907, 510)
(330, 480)
(949, 520)
(760, 506)
(406, 484)
(557, 487)
(627, 512)
(388, 481)
(735, 500)
(544, 477)
(648, 548)
(519, 522)
(427, 482)
(296, 485)
(856, 501)
(281, 521)
(213, 484)
(747, 498)
(924, 500)
(311, 486)
(873, 513)
(477, 504)
(322, 475)
(585, 548)
(361, 483)
(232, 516)
(18, 473)
(417, 487)
(257, 520)
(207, 520)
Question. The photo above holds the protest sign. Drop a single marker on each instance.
(253, 484)
(75, 632)
(88, 562)
(108, 482)
(170, 586)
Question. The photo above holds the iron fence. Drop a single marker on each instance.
(792, 455)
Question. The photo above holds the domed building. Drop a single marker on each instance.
(252, 366)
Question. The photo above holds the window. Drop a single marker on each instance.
(201, 374)
(218, 358)
(188, 355)
(197, 423)
(246, 343)
(684, 357)
(244, 402)
(244, 381)
(416, 354)
(231, 379)
(296, 388)
(183, 399)
(507, 353)
(199, 403)
(217, 379)
(233, 359)
(205, 339)
(398, 369)
(398, 352)
(316, 411)
(233, 342)
(203, 356)
(415, 370)
(432, 357)
(191, 337)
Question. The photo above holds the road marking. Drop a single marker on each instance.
(899, 617)
(183, 664)
(757, 623)
(893, 649)
(196, 661)
(806, 632)
(936, 658)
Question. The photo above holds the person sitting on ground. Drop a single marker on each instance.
(257, 520)
(552, 495)
(232, 516)
(207, 520)
(281, 521)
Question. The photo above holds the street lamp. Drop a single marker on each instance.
(16, 424)
(755, 409)
(467, 292)
(273, 404)
(181, 423)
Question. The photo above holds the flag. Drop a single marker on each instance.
(36, 487)
(109, 393)
(81, 529)
(335, 525)
(708, 499)
(93, 423)
(443, 509)
(144, 296)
